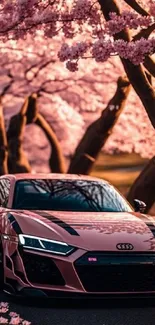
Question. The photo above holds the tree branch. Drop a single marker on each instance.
(149, 77)
(31, 109)
(149, 64)
(56, 160)
(145, 32)
(99, 131)
(136, 6)
(17, 161)
(40, 66)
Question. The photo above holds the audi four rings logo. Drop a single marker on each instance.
(124, 247)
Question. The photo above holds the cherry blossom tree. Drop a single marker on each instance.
(108, 26)
(67, 101)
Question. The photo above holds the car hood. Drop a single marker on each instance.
(90, 230)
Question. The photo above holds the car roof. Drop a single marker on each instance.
(26, 176)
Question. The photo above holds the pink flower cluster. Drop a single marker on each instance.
(135, 51)
(102, 49)
(72, 66)
(21, 17)
(72, 52)
(127, 19)
(4, 307)
(14, 318)
(81, 9)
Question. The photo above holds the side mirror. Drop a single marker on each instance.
(139, 206)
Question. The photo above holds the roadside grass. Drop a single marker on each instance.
(120, 170)
(119, 161)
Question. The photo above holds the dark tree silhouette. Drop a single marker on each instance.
(17, 161)
(3, 144)
(144, 186)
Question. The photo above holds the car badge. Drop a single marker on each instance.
(124, 246)
(92, 259)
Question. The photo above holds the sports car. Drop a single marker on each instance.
(73, 235)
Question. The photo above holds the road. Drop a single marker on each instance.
(84, 313)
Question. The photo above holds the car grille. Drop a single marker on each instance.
(42, 270)
(116, 273)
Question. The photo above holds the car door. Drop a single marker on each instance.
(4, 197)
(4, 193)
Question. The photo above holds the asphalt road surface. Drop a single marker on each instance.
(72, 312)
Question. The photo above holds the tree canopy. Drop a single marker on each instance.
(102, 33)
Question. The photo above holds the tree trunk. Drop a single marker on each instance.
(98, 132)
(144, 186)
(32, 109)
(135, 73)
(56, 161)
(17, 161)
(3, 144)
(150, 65)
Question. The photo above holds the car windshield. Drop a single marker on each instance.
(68, 195)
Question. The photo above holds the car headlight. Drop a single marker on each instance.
(46, 245)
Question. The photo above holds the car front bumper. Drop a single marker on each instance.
(80, 275)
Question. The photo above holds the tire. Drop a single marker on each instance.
(1, 268)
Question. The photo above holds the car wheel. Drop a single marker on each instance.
(1, 267)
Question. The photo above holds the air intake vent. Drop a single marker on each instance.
(42, 270)
(101, 272)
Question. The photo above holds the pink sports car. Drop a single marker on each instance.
(73, 235)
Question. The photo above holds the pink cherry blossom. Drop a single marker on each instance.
(127, 19)
(13, 314)
(3, 320)
(69, 18)
(3, 310)
(134, 51)
(101, 50)
(4, 304)
(15, 321)
(72, 66)
(72, 52)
